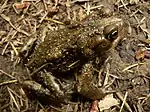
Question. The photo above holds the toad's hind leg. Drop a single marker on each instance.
(35, 90)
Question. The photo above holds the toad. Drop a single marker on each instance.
(63, 63)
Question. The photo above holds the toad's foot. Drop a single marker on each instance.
(48, 88)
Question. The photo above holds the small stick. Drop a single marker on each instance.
(124, 4)
(134, 13)
(19, 30)
(131, 66)
(125, 103)
(7, 74)
(8, 20)
(55, 21)
(15, 9)
(14, 48)
(13, 99)
(30, 0)
(29, 23)
(8, 82)
(35, 26)
(95, 7)
(107, 75)
(43, 17)
(88, 9)
(124, 100)
(45, 6)
(68, 9)
(3, 51)
(3, 6)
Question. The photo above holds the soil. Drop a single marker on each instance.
(127, 69)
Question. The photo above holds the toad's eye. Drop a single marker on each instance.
(111, 32)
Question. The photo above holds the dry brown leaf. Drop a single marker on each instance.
(21, 5)
(140, 54)
(107, 102)
(147, 41)
(51, 9)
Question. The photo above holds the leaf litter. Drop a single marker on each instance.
(20, 20)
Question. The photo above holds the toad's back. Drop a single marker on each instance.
(67, 45)
(60, 44)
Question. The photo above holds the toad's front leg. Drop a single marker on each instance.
(47, 88)
(85, 85)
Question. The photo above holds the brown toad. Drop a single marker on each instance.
(71, 52)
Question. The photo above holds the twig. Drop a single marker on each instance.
(135, 108)
(135, 12)
(107, 75)
(45, 6)
(29, 23)
(14, 48)
(131, 66)
(124, 100)
(13, 99)
(15, 9)
(146, 98)
(27, 106)
(142, 20)
(8, 20)
(95, 7)
(35, 26)
(37, 13)
(3, 51)
(55, 21)
(41, 105)
(15, 93)
(38, 69)
(7, 39)
(30, 0)
(68, 9)
(57, 109)
(72, 64)
(7, 74)
(125, 103)
(123, 4)
(100, 76)
(19, 30)
(3, 6)
(88, 8)
(43, 17)
(8, 82)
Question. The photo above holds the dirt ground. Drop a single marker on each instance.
(128, 72)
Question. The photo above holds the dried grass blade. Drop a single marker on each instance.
(13, 99)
